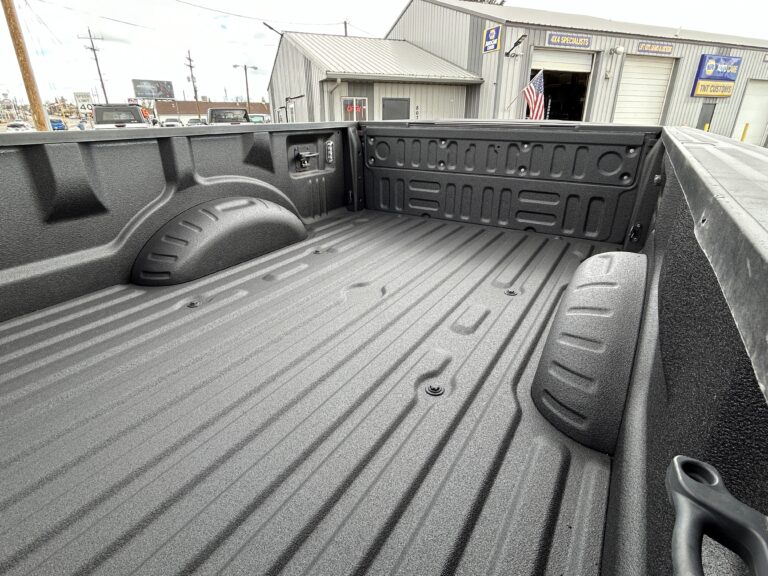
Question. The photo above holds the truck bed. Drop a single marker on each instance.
(274, 417)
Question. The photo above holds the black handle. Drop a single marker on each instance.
(703, 506)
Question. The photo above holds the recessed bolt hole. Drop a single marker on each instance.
(631, 151)
(441, 164)
(434, 390)
(193, 304)
(522, 170)
(625, 177)
(510, 292)
(425, 215)
(442, 142)
(526, 146)
(699, 473)
(703, 220)
(371, 160)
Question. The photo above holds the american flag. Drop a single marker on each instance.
(534, 95)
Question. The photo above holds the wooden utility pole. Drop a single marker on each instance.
(93, 49)
(33, 94)
(192, 79)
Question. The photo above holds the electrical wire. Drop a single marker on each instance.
(361, 30)
(80, 10)
(247, 17)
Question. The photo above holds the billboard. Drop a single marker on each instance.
(716, 76)
(153, 89)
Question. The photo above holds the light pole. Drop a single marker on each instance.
(245, 68)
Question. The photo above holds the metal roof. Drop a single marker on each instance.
(357, 58)
(514, 15)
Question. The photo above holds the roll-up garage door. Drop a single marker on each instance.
(754, 111)
(562, 60)
(642, 89)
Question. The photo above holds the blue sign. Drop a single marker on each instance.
(716, 76)
(491, 39)
(569, 40)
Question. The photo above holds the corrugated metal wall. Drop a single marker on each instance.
(457, 37)
(294, 74)
(428, 101)
(436, 29)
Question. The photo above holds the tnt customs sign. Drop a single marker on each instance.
(491, 39)
(716, 76)
(568, 40)
(662, 48)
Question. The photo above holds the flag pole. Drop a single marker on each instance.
(521, 91)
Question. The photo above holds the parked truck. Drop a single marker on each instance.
(386, 348)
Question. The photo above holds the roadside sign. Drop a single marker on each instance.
(491, 39)
(133, 101)
(83, 102)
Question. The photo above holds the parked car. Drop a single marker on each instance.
(118, 116)
(227, 116)
(260, 118)
(58, 124)
(19, 126)
(172, 123)
(197, 122)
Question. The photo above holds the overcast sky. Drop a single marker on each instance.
(149, 38)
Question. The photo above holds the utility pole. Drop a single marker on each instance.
(247, 90)
(345, 26)
(193, 80)
(93, 49)
(33, 94)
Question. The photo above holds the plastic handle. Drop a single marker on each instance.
(704, 506)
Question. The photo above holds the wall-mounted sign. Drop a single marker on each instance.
(491, 39)
(716, 76)
(651, 47)
(568, 40)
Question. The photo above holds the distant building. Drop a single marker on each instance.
(352, 78)
(456, 59)
(187, 109)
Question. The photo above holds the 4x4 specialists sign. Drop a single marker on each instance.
(716, 76)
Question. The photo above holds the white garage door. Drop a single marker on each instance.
(642, 89)
(753, 110)
(562, 60)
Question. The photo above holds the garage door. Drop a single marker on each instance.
(754, 110)
(642, 89)
(563, 60)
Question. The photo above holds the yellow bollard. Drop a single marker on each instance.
(744, 132)
(706, 127)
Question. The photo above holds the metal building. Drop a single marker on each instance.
(319, 77)
(595, 69)
(456, 59)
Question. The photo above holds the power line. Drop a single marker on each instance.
(363, 31)
(248, 17)
(101, 16)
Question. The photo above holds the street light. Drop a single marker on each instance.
(245, 68)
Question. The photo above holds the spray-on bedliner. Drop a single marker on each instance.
(275, 417)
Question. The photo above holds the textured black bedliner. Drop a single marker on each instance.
(273, 417)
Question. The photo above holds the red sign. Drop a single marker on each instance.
(356, 108)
